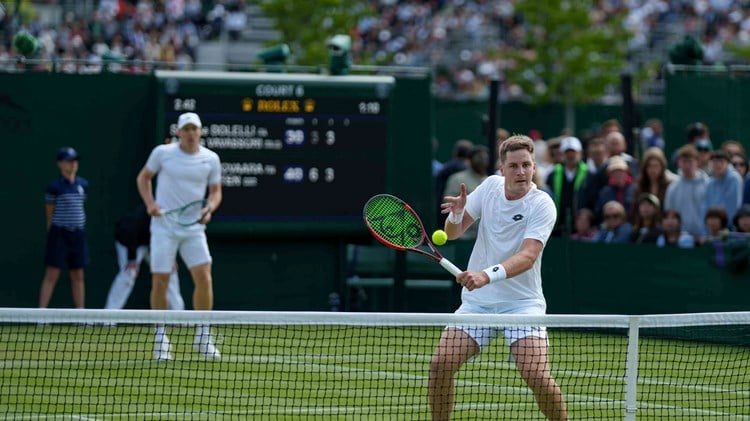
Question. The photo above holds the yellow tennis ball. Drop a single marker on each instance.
(439, 237)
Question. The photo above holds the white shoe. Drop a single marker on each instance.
(162, 349)
(204, 344)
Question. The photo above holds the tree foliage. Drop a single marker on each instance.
(740, 50)
(307, 25)
(565, 56)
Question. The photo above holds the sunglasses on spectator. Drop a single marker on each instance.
(739, 164)
(612, 216)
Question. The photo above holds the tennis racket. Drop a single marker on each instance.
(187, 215)
(394, 223)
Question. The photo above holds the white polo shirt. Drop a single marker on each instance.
(503, 225)
(182, 177)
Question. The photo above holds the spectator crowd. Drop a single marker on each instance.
(462, 40)
(457, 38)
(603, 194)
(134, 33)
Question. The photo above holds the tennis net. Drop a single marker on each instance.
(99, 365)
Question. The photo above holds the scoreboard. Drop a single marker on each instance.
(300, 152)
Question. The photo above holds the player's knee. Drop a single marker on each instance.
(443, 365)
(160, 284)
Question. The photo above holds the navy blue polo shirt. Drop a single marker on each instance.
(68, 198)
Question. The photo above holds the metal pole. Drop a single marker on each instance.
(492, 125)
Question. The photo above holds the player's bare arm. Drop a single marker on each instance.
(146, 190)
(515, 265)
(49, 210)
(214, 200)
(454, 206)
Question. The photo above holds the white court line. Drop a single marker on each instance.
(584, 400)
(6, 364)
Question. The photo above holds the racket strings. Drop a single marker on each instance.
(393, 222)
(186, 215)
(190, 214)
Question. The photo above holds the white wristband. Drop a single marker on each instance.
(455, 219)
(496, 273)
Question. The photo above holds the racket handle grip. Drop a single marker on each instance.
(450, 267)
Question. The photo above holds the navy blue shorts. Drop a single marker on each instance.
(66, 247)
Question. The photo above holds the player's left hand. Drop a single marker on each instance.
(472, 280)
(206, 212)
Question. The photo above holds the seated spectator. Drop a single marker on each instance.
(672, 232)
(730, 249)
(616, 228)
(647, 221)
(620, 186)
(742, 219)
(584, 228)
(717, 223)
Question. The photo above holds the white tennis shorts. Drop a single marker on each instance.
(192, 245)
(483, 335)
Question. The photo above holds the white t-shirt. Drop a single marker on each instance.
(182, 177)
(503, 225)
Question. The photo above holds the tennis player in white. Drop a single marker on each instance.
(503, 277)
(184, 171)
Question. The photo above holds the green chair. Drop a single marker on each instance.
(428, 287)
(369, 281)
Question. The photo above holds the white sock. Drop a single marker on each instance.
(203, 331)
(161, 333)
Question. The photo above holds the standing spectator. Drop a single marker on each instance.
(647, 220)
(651, 134)
(616, 228)
(596, 162)
(694, 132)
(739, 162)
(501, 135)
(672, 232)
(609, 126)
(732, 148)
(66, 234)
(503, 276)
(459, 162)
(724, 187)
(620, 186)
(597, 155)
(471, 177)
(688, 192)
(566, 183)
(617, 146)
(585, 227)
(131, 244)
(705, 149)
(555, 153)
(654, 176)
(185, 171)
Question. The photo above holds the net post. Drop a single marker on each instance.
(631, 370)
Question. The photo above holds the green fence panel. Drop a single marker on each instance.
(105, 118)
